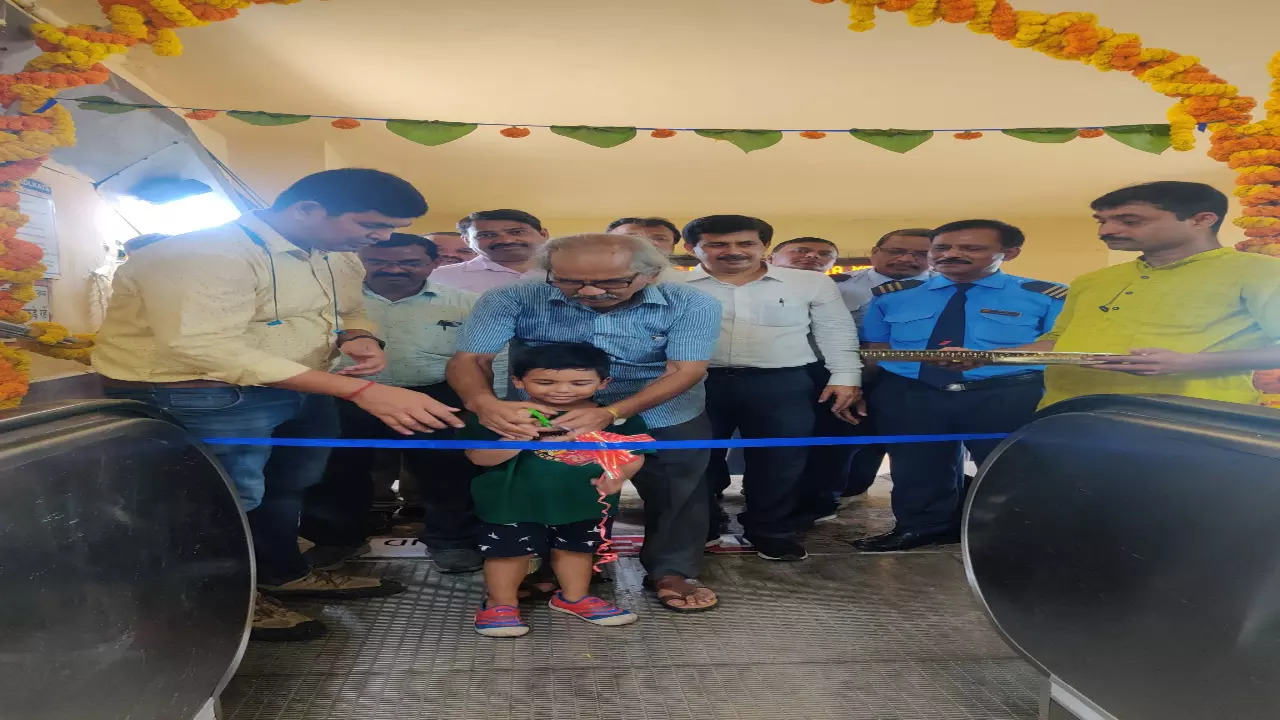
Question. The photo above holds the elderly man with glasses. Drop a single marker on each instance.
(602, 289)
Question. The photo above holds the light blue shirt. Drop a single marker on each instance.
(999, 313)
(671, 322)
(856, 290)
(421, 332)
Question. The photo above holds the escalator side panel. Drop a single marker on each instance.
(125, 567)
(1133, 554)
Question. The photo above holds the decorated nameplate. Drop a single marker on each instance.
(990, 357)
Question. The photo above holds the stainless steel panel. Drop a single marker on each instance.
(124, 563)
(1129, 547)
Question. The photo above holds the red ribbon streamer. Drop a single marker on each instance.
(612, 462)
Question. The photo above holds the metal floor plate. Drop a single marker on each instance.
(837, 637)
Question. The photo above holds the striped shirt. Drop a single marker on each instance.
(672, 322)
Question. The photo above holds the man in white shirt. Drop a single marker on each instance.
(661, 232)
(506, 241)
(757, 382)
(453, 248)
(419, 321)
(898, 255)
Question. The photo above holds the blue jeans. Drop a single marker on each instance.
(271, 481)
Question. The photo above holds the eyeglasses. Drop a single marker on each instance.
(900, 252)
(609, 284)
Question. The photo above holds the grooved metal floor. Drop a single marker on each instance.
(841, 636)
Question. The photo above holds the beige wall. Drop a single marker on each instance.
(86, 226)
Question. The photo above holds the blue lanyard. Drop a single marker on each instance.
(256, 239)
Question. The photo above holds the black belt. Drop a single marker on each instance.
(998, 381)
(741, 371)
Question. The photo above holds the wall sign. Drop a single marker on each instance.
(35, 200)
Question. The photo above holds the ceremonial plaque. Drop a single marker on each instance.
(990, 357)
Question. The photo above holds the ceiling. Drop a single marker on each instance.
(701, 63)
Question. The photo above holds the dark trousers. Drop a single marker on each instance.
(271, 481)
(835, 471)
(928, 478)
(672, 485)
(337, 509)
(762, 403)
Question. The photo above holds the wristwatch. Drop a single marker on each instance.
(348, 335)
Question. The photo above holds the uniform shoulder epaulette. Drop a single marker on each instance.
(1057, 291)
(894, 286)
(840, 277)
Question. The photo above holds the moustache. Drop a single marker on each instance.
(601, 296)
(1116, 237)
(953, 261)
(500, 246)
(733, 258)
(390, 276)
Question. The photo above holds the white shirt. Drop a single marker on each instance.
(475, 275)
(766, 323)
(856, 291)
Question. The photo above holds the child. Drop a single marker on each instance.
(528, 500)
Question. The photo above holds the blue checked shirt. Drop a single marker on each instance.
(671, 322)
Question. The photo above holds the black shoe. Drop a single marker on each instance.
(895, 541)
(780, 549)
(457, 561)
(332, 557)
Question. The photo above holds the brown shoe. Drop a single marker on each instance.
(327, 585)
(273, 622)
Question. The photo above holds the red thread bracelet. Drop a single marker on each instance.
(362, 388)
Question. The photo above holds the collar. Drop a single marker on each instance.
(879, 278)
(481, 263)
(997, 280)
(771, 272)
(427, 289)
(650, 295)
(275, 242)
(1206, 255)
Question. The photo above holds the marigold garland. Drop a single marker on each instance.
(201, 115)
(813, 135)
(346, 123)
(664, 133)
(1089, 133)
(967, 135)
(515, 132)
(72, 58)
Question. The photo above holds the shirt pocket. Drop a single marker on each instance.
(641, 348)
(782, 312)
(1006, 330)
(910, 326)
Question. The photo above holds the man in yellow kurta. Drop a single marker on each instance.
(1188, 317)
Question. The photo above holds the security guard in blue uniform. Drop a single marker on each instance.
(973, 305)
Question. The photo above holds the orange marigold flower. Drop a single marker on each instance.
(515, 132)
(1004, 21)
(1271, 157)
(346, 123)
(813, 135)
(1092, 132)
(665, 133)
(967, 135)
(1262, 211)
(1264, 232)
(201, 114)
(822, 2)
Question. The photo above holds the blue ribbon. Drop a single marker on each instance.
(655, 445)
